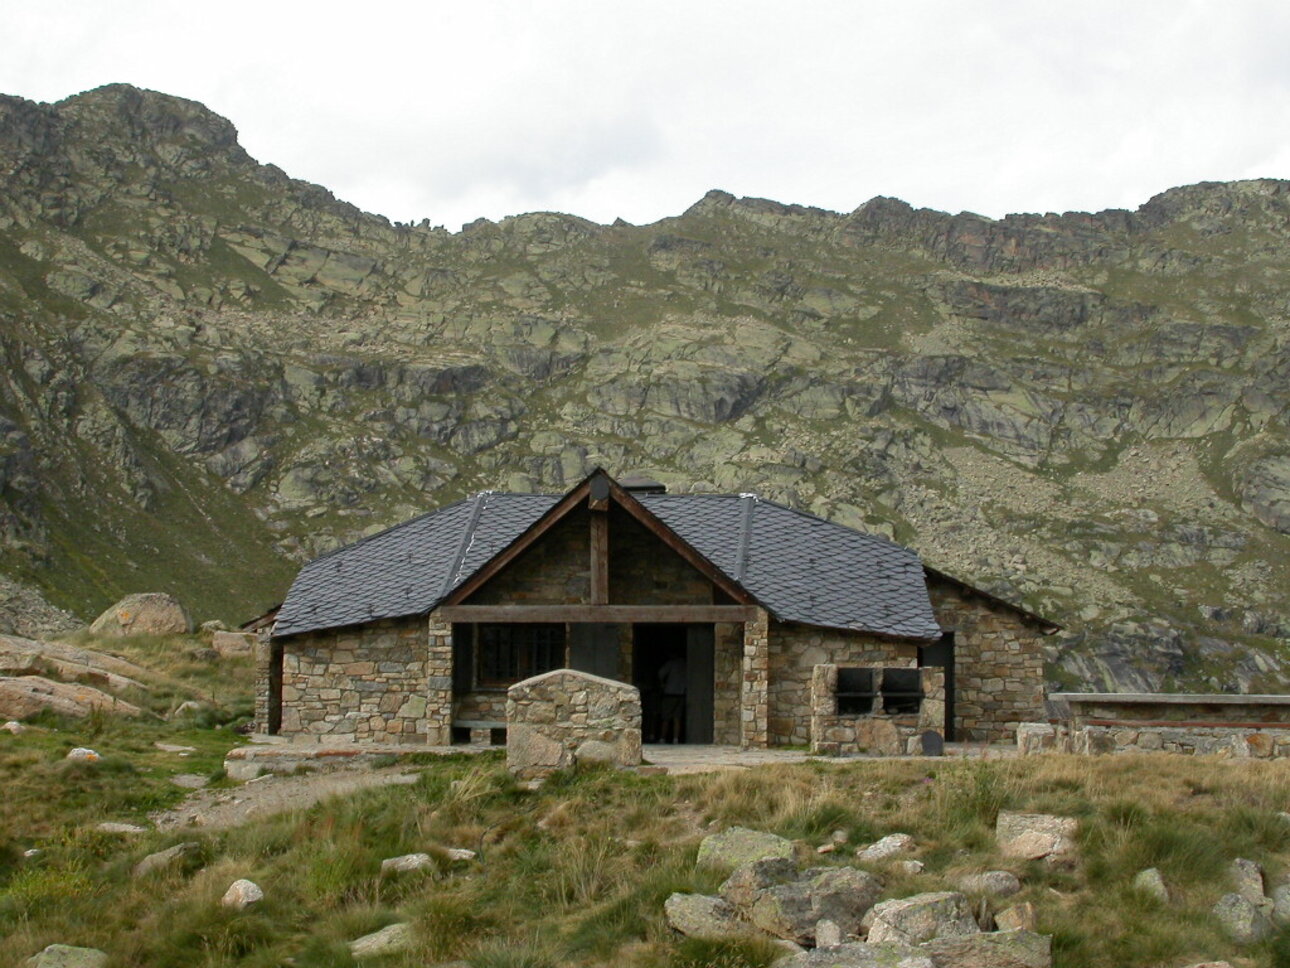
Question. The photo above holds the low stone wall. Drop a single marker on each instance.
(878, 732)
(1262, 743)
(564, 717)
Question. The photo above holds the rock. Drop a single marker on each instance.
(232, 644)
(66, 956)
(189, 707)
(14, 727)
(190, 781)
(112, 827)
(1247, 878)
(389, 940)
(991, 883)
(1031, 836)
(459, 853)
(840, 894)
(827, 934)
(886, 848)
(826, 848)
(1241, 919)
(1281, 905)
(1150, 883)
(242, 894)
(739, 845)
(910, 867)
(1019, 917)
(747, 881)
(144, 613)
(860, 955)
(1005, 949)
(701, 916)
(173, 748)
(24, 696)
(528, 750)
(913, 920)
(211, 626)
(406, 862)
(164, 859)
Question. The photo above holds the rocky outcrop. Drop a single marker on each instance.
(1082, 412)
(24, 696)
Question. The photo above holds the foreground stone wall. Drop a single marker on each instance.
(1272, 742)
(999, 663)
(795, 651)
(564, 717)
(878, 732)
(361, 683)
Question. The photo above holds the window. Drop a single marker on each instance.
(901, 691)
(505, 654)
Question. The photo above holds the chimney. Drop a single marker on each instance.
(640, 484)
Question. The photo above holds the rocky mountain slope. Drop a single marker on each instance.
(213, 370)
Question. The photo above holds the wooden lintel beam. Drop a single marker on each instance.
(696, 614)
(600, 559)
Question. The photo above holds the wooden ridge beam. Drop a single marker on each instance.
(678, 614)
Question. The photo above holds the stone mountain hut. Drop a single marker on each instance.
(792, 630)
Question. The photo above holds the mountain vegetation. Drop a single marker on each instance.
(213, 370)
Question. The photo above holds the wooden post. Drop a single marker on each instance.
(598, 504)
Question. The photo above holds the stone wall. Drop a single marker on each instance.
(645, 571)
(877, 732)
(754, 692)
(556, 570)
(562, 718)
(728, 642)
(1270, 742)
(999, 663)
(359, 683)
(795, 651)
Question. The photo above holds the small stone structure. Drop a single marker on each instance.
(890, 734)
(564, 717)
(1225, 725)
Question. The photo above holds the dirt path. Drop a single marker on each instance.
(270, 794)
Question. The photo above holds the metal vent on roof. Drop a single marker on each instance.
(639, 484)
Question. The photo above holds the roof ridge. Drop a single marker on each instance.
(467, 539)
(749, 501)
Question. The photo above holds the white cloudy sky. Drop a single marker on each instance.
(606, 108)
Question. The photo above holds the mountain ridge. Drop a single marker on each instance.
(215, 370)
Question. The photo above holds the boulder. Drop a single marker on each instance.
(83, 754)
(828, 934)
(391, 939)
(242, 894)
(1242, 920)
(990, 883)
(1281, 905)
(858, 954)
(459, 853)
(739, 845)
(701, 916)
(166, 859)
(1032, 836)
(14, 727)
(1007, 949)
(25, 696)
(405, 863)
(1150, 883)
(910, 867)
(745, 884)
(66, 956)
(232, 644)
(1247, 878)
(842, 895)
(145, 613)
(888, 847)
(913, 920)
(1019, 917)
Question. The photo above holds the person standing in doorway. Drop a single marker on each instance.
(672, 681)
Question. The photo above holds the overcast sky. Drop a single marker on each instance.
(608, 108)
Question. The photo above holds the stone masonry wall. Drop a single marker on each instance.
(554, 571)
(1270, 742)
(644, 571)
(999, 664)
(878, 732)
(360, 683)
(727, 676)
(564, 717)
(795, 651)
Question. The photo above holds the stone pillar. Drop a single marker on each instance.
(824, 704)
(438, 726)
(263, 660)
(754, 700)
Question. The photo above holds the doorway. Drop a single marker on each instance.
(690, 650)
(940, 655)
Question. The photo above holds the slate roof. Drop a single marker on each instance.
(798, 566)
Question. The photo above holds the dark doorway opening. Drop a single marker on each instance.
(692, 646)
(274, 725)
(940, 655)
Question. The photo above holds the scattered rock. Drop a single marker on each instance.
(31, 852)
(858, 954)
(24, 696)
(701, 916)
(1032, 836)
(14, 727)
(1247, 877)
(827, 934)
(1241, 919)
(172, 748)
(840, 894)
(242, 894)
(1150, 883)
(211, 626)
(826, 848)
(459, 853)
(1019, 917)
(145, 613)
(165, 859)
(1281, 905)
(112, 827)
(739, 845)
(991, 883)
(746, 883)
(913, 920)
(886, 848)
(910, 867)
(389, 940)
(233, 644)
(83, 753)
(190, 781)
(66, 956)
(1004, 949)
(405, 863)
(839, 837)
